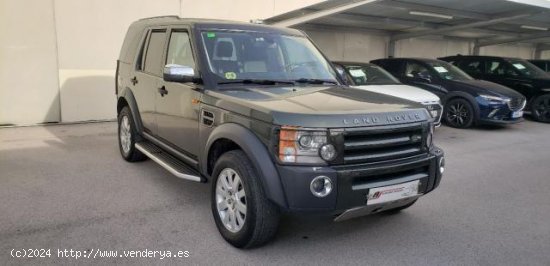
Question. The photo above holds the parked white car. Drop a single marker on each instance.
(373, 78)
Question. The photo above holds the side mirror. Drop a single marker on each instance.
(425, 75)
(179, 73)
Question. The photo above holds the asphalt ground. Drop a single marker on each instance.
(66, 187)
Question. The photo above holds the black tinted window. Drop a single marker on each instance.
(414, 69)
(391, 66)
(497, 67)
(153, 56)
(472, 66)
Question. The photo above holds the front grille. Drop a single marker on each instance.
(362, 145)
(516, 104)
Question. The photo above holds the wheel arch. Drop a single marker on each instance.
(126, 98)
(233, 136)
(463, 95)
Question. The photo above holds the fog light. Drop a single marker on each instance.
(327, 152)
(492, 113)
(321, 186)
(441, 165)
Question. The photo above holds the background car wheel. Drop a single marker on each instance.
(243, 214)
(459, 113)
(127, 136)
(540, 108)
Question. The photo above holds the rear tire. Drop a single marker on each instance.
(243, 227)
(127, 137)
(540, 108)
(459, 113)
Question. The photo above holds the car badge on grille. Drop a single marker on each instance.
(369, 120)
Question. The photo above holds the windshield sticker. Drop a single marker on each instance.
(441, 69)
(357, 73)
(230, 75)
(210, 34)
(519, 66)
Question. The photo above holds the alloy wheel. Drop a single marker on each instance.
(542, 109)
(231, 200)
(125, 134)
(458, 114)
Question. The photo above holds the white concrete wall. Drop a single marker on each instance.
(28, 63)
(430, 48)
(513, 50)
(349, 46)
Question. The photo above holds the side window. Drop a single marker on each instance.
(179, 50)
(496, 67)
(139, 59)
(392, 66)
(472, 66)
(414, 69)
(153, 56)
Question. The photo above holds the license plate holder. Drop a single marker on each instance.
(392, 192)
(517, 114)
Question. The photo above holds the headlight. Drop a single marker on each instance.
(304, 146)
(494, 99)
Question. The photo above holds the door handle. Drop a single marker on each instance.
(162, 91)
(134, 80)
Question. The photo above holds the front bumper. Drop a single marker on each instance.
(351, 183)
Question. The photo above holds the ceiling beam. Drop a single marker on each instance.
(412, 24)
(462, 26)
(514, 40)
(433, 9)
(322, 13)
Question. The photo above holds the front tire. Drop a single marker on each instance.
(459, 113)
(243, 214)
(127, 136)
(540, 108)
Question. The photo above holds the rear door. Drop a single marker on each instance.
(147, 77)
(178, 109)
(502, 72)
(473, 67)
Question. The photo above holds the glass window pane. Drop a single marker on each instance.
(179, 50)
(153, 57)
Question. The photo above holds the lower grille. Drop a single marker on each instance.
(516, 104)
(383, 143)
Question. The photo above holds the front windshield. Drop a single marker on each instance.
(527, 69)
(369, 75)
(449, 72)
(242, 55)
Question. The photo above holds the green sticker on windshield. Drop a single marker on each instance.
(210, 34)
(230, 75)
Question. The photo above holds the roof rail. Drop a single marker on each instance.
(168, 16)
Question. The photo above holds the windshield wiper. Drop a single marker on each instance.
(315, 81)
(257, 81)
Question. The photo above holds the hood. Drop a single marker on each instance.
(317, 106)
(543, 83)
(487, 87)
(403, 91)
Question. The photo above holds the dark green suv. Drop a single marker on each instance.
(259, 113)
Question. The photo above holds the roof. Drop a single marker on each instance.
(214, 24)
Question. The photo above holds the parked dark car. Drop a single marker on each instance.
(467, 101)
(542, 64)
(517, 74)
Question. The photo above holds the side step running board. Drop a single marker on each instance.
(168, 162)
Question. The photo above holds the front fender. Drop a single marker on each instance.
(256, 152)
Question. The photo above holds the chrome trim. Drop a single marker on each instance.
(166, 166)
(366, 210)
(328, 186)
(171, 150)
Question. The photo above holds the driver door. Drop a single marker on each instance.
(177, 104)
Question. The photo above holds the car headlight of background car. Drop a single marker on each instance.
(494, 99)
(305, 146)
